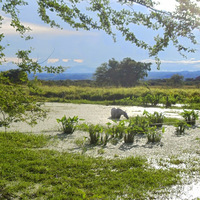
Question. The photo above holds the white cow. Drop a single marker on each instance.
(117, 112)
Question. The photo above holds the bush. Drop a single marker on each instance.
(142, 124)
(96, 134)
(68, 124)
(129, 136)
(154, 134)
(155, 119)
(190, 117)
(116, 131)
(181, 125)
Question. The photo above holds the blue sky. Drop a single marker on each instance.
(84, 51)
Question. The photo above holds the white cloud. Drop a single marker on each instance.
(78, 60)
(52, 60)
(14, 60)
(167, 5)
(191, 61)
(10, 59)
(40, 29)
(65, 60)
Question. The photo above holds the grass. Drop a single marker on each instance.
(29, 171)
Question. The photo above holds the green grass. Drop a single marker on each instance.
(29, 171)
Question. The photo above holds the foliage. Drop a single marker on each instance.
(176, 80)
(117, 130)
(154, 134)
(168, 100)
(45, 174)
(125, 73)
(134, 96)
(190, 116)
(96, 134)
(151, 99)
(140, 123)
(155, 119)
(16, 105)
(130, 133)
(68, 124)
(181, 125)
(16, 76)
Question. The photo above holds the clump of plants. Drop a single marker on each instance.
(169, 100)
(190, 117)
(96, 134)
(141, 122)
(154, 134)
(117, 130)
(181, 125)
(151, 99)
(155, 119)
(131, 132)
(69, 124)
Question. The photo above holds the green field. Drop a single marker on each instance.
(29, 171)
(143, 96)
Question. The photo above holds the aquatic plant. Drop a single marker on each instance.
(155, 119)
(181, 125)
(154, 134)
(68, 124)
(190, 116)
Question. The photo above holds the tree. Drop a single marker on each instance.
(16, 76)
(176, 80)
(126, 73)
(16, 105)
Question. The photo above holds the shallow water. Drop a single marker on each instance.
(95, 114)
(186, 192)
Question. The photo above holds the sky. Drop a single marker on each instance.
(84, 51)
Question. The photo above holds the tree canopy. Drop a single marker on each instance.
(176, 80)
(126, 73)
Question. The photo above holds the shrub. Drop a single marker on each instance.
(96, 134)
(190, 116)
(68, 124)
(131, 132)
(142, 123)
(154, 134)
(169, 100)
(151, 99)
(155, 119)
(116, 131)
(181, 125)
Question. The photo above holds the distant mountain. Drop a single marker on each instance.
(63, 76)
(89, 76)
(166, 75)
